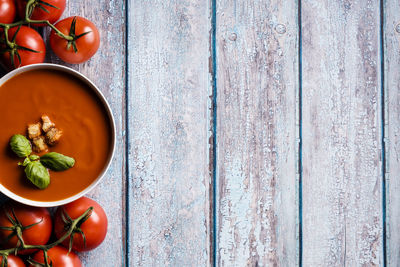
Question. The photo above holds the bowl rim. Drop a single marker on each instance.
(108, 109)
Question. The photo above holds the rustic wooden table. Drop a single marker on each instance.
(250, 133)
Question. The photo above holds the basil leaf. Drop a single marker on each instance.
(20, 145)
(38, 174)
(57, 162)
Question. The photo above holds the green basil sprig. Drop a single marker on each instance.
(20, 145)
(36, 167)
(37, 174)
(56, 161)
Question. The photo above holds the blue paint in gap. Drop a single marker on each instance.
(383, 152)
(127, 173)
(214, 129)
(300, 167)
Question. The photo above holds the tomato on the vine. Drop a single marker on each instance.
(85, 40)
(94, 228)
(29, 48)
(12, 261)
(58, 257)
(7, 11)
(50, 10)
(35, 223)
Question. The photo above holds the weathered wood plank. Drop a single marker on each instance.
(342, 175)
(169, 129)
(392, 128)
(107, 70)
(257, 82)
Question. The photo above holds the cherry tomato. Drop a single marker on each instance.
(54, 8)
(37, 221)
(13, 261)
(7, 11)
(26, 38)
(59, 257)
(94, 228)
(83, 47)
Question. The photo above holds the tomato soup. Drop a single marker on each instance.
(75, 109)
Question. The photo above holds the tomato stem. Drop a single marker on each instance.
(9, 44)
(46, 258)
(74, 225)
(59, 33)
(28, 20)
(19, 236)
(12, 47)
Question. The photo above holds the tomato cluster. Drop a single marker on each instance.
(73, 39)
(35, 227)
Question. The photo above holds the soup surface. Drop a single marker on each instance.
(74, 109)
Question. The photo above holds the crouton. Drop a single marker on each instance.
(39, 144)
(47, 124)
(53, 136)
(34, 130)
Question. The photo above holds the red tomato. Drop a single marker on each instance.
(26, 38)
(59, 257)
(7, 11)
(55, 9)
(94, 228)
(13, 261)
(86, 44)
(25, 216)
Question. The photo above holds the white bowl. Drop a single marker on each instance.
(103, 100)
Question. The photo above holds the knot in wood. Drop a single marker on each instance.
(233, 36)
(280, 28)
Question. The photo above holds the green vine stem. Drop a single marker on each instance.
(46, 262)
(58, 32)
(74, 225)
(26, 21)
(12, 47)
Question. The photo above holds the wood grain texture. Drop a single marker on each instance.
(342, 175)
(169, 131)
(392, 128)
(257, 82)
(107, 70)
